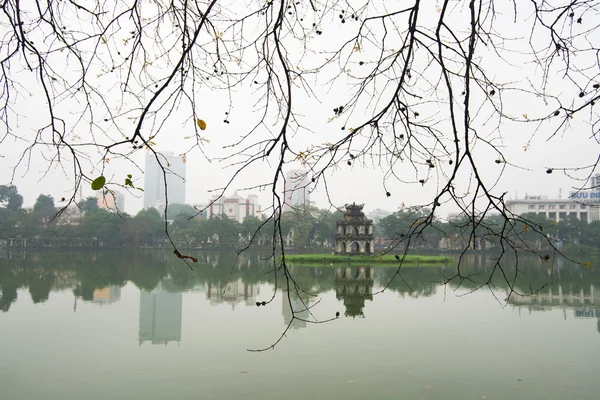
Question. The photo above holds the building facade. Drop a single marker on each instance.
(583, 204)
(154, 182)
(354, 235)
(234, 207)
(554, 209)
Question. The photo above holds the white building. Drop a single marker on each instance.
(296, 192)
(154, 184)
(583, 204)
(234, 207)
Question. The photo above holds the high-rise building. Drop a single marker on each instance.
(111, 201)
(296, 189)
(173, 168)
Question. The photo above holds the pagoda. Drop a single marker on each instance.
(354, 235)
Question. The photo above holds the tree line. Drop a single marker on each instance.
(306, 227)
(88, 225)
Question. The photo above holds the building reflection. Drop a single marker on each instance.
(354, 285)
(107, 295)
(584, 303)
(293, 306)
(160, 316)
(232, 292)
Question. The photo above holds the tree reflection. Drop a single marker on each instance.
(84, 273)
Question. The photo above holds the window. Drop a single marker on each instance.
(552, 215)
(552, 207)
(531, 207)
(572, 206)
(562, 207)
(583, 216)
(542, 207)
(562, 216)
(582, 206)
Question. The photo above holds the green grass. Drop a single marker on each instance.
(388, 259)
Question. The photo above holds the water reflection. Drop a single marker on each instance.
(580, 302)
(292, 306)
(160, 316)
(231, 292)
(98, 277)
(416, 340)
(354, 285)
(107, 295)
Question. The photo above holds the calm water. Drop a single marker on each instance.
(142, 326)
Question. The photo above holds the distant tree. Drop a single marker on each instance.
(10, 211)
(145, 229)
(10, 198)
(255, 229)
(89, 205)
(44, 207)
(227, 231)
(177, 209)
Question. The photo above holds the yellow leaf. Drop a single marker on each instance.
(201, 124)
(587, 264)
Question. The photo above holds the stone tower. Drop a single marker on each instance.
(355, 233)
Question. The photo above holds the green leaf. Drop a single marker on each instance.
(98, 183)
(129, 176)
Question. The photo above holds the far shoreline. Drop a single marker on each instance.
(387, 260)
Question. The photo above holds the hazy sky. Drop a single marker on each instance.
(362, 182)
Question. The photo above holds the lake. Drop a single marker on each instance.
(142, 325)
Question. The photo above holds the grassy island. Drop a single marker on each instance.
(388, 259)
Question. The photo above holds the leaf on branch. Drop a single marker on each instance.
(98, 183)
(587, 264)
(201, 124)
